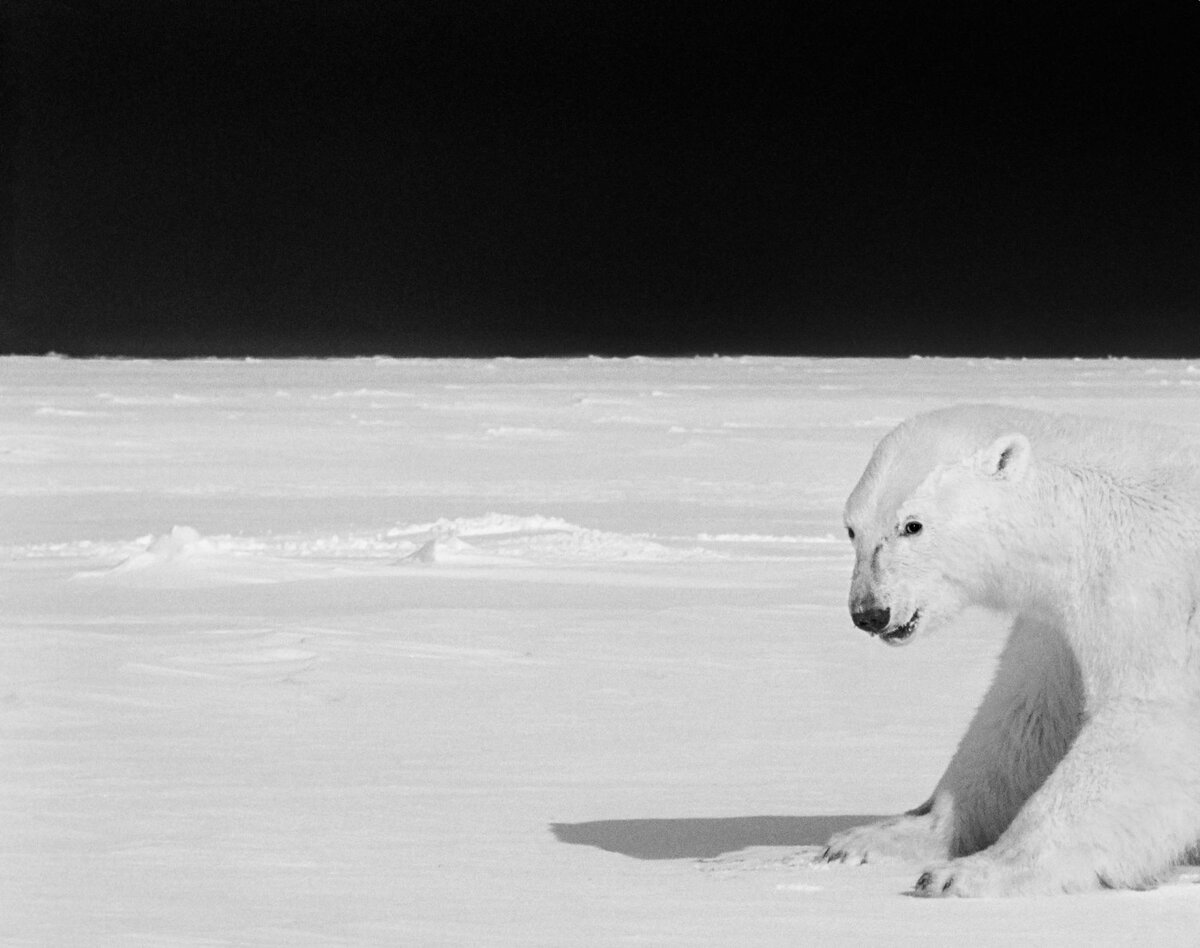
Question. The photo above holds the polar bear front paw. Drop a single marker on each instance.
(944, 881)
(908, 838)
(991, 876)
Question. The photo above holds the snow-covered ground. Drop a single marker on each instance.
(378, 652)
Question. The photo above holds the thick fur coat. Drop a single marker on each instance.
(1081, 768)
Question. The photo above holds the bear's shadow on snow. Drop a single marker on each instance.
(703, 838)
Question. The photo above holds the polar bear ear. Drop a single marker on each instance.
(1007, 457)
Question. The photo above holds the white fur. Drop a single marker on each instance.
(1081, 768)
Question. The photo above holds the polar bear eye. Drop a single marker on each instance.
(850, 532)
(913, 528)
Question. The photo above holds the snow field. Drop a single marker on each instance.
(377, 652)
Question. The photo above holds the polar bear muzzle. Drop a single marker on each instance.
(876, 621)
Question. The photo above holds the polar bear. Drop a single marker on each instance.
(1081, 768)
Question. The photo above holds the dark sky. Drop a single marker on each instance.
(429, 177)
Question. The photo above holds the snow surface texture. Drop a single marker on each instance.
(379, 652)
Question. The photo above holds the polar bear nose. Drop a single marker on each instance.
(872, 620)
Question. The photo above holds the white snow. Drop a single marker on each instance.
(380, 652)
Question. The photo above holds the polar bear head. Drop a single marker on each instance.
(928, 521)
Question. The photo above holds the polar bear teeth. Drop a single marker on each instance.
(902, 633)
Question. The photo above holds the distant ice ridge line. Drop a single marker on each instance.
(491, 539)
(541, 538)
(764, 538)
(488, 524)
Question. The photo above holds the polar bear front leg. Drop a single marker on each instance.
(1120, 809)
(1019, 734)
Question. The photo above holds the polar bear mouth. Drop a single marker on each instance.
(902, 633)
